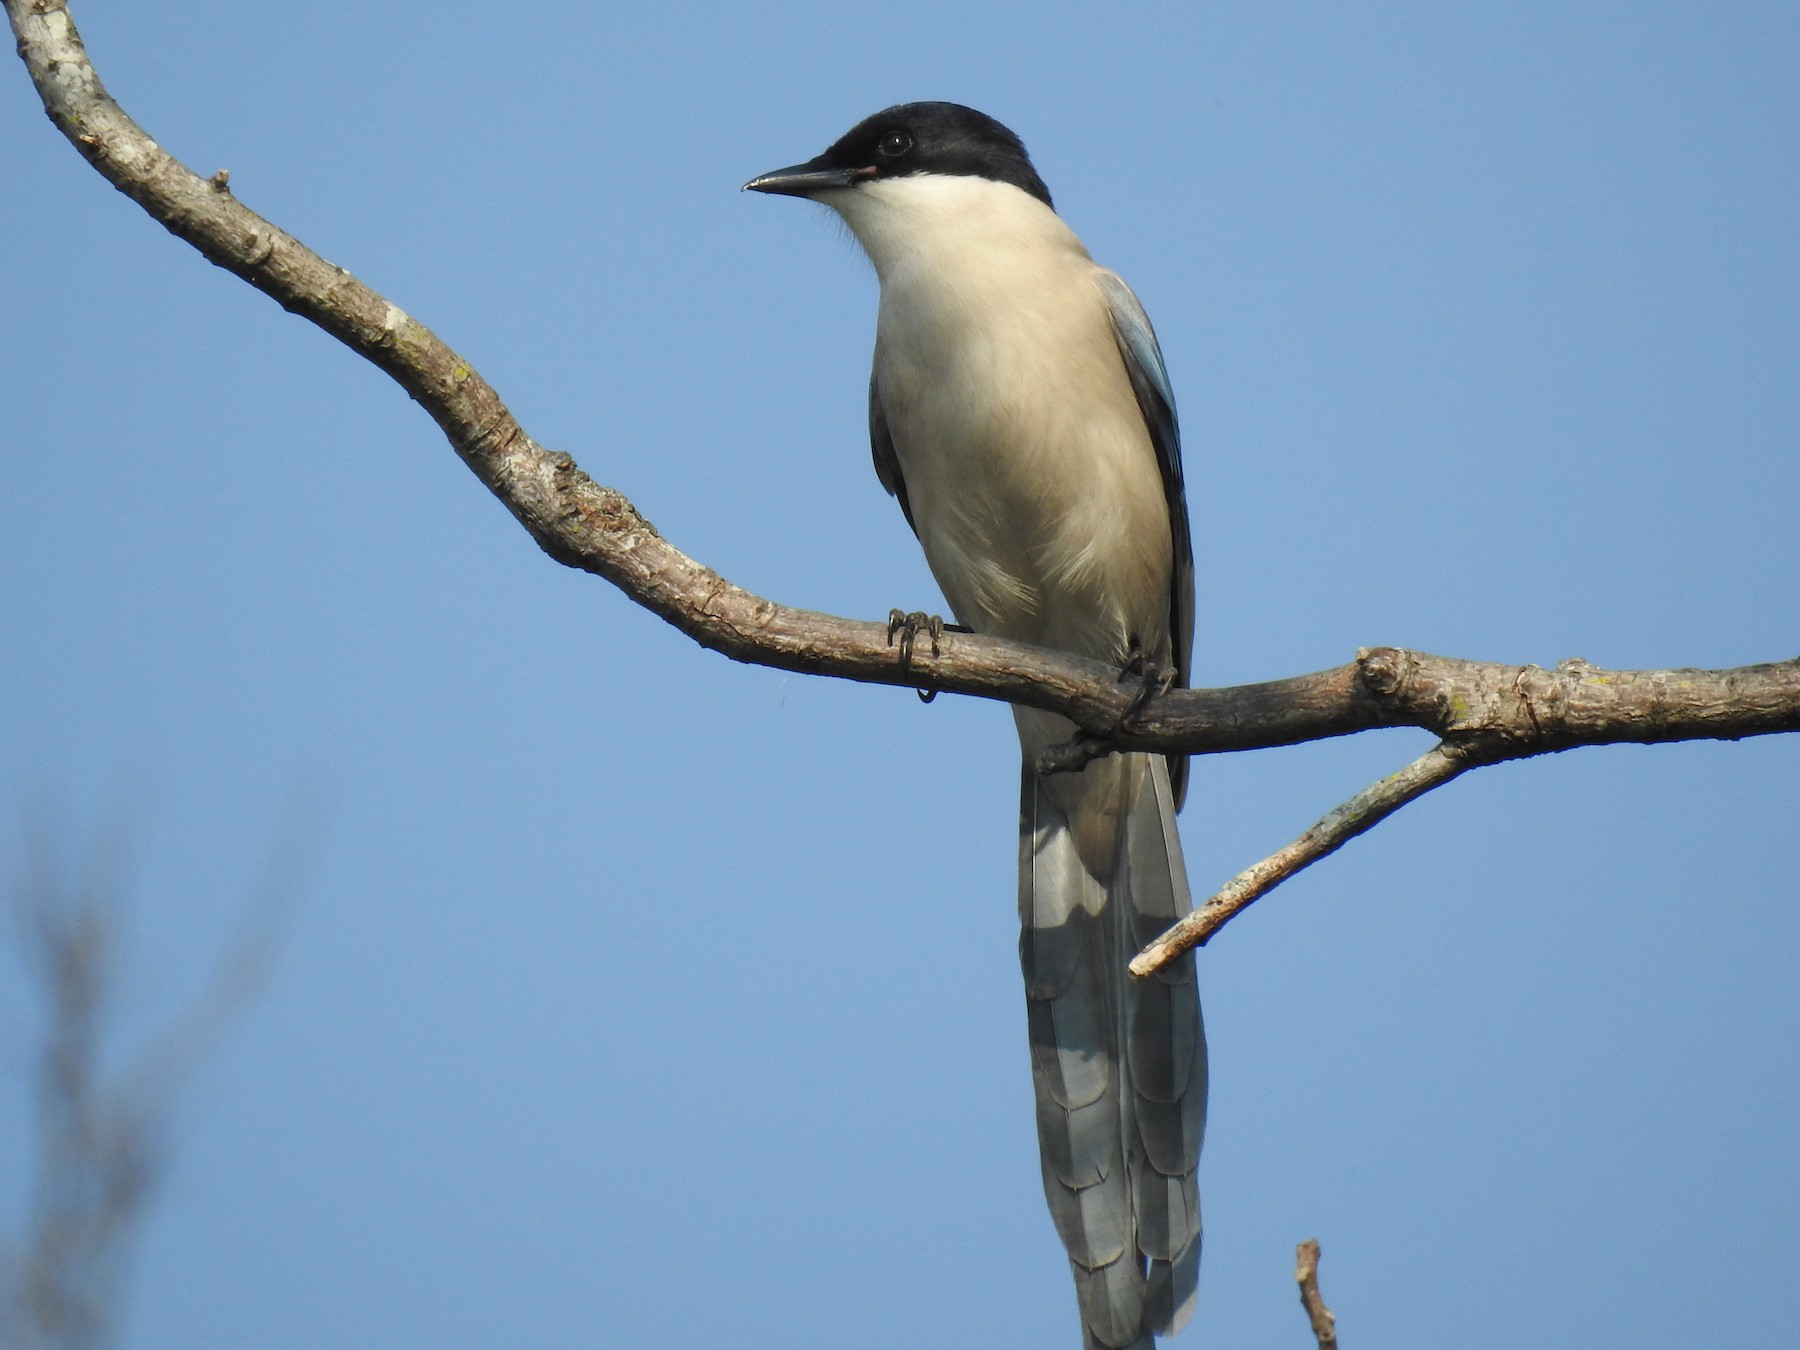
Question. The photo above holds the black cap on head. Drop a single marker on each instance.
(914, 138)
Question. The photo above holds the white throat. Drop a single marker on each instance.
(902, 221)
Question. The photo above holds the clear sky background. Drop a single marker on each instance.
(641, 998)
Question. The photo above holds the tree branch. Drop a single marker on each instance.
(1489, 713)
(1483, 712)
(587, 526)
(575, 520)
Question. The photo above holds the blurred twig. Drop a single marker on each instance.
(98, 1150)
(102, 1129)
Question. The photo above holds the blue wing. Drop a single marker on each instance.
(1150, 382)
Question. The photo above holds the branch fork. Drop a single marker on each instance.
(1482, 712)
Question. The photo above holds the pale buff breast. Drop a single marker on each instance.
(1032, 479)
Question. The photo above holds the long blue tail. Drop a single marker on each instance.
(1119, 1065)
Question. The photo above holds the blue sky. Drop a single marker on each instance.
(640, 998)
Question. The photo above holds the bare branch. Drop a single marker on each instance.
(1483, 712)
(584, 525)
(1306, 1272)
(1489, 713)
(1362, 812)
(575, 520)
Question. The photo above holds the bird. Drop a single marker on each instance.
(1020, 411)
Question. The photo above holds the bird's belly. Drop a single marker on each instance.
(1035, 490)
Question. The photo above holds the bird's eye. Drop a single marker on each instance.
(895, 144)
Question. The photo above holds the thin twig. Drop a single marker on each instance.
(1374, 803)
(1306, 1272)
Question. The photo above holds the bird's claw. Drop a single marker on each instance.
(1152, 679)
(906, 626)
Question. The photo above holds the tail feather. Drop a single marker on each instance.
(1112, 1305)
(1119, 1065)
(1172, 1289)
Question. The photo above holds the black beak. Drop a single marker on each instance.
(804, 180)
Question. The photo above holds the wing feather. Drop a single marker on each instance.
(1156, 400)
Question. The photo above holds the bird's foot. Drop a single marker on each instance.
(1152, 680)
(1084, 747)
(907, 626)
